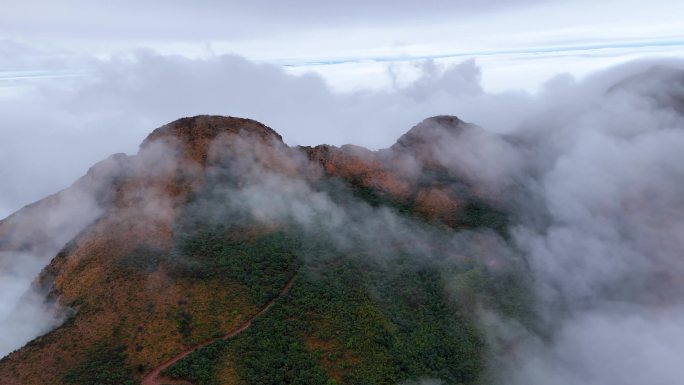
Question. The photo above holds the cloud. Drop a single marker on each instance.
(602, 228)
(24, 311)
(206, 20)
(39, 232)
(621, 346)
(78, 121)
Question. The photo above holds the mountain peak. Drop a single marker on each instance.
(196, 134)
(208, 127)
(430, 131)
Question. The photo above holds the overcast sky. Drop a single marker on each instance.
(518, 43)
(80, 80)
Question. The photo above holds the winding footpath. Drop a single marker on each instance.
(155, 377)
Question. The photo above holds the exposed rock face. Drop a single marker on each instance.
(127, 206)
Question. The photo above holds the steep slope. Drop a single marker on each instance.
(199, 232)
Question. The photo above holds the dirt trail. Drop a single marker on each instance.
(155, 377)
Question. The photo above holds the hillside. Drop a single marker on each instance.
(236, 259)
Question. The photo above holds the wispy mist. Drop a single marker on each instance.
(29, 240)
(23, 311)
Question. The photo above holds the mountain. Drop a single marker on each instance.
(219, 255)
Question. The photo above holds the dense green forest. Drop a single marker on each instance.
(355, 315)
(351, 319)
(104, 365)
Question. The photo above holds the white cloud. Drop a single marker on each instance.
(54, 131)
(516, 42)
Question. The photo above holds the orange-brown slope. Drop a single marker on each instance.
(98, 274)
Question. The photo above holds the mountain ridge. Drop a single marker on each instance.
(135, 275)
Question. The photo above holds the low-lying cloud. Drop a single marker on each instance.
(53, 132)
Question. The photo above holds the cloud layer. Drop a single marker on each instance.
(55, 130)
